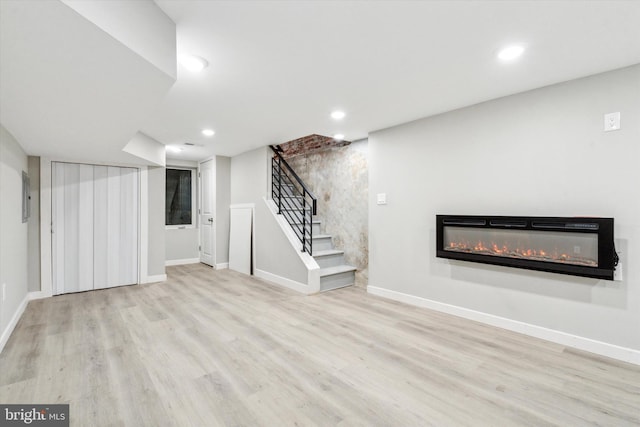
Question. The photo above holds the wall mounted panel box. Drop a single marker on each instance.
(567, 245)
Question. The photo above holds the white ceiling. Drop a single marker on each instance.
(278, 68)
(68, 89)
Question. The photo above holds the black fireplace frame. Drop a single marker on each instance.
(603, 227)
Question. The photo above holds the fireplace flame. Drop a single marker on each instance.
(503, 250)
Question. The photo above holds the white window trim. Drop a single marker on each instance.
(194, 207)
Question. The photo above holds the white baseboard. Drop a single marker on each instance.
(222, 266)
(13, 322)
(283, 281)
(37, 295)
(170, 262)
(598, 347)
(156, 278)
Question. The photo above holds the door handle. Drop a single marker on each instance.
(210, 220)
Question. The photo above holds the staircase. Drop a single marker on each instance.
(334, 272)
(298, 206)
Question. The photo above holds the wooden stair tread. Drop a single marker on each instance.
(328, 252)
(322, 236)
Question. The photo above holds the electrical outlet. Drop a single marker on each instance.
(611, 121)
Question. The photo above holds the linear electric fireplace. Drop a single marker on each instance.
(575, 246)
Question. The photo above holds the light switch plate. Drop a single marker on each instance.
(611, 121)
(382, 198)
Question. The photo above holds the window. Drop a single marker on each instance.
(179, 198)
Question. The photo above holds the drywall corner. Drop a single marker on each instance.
(223, 201)
(156, 222)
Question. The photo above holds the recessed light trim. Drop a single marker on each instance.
(510, 53)
(193, 63)
(208, 132)
(337, 115)
(338, 136)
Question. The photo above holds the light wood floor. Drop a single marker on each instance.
(210, 348)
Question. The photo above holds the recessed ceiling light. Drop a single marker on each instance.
(338, 136)
(337, 115)
(193, 63)
(208, 132)
(511, 52)
(173, 149)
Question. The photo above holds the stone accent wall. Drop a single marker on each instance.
(338, 174)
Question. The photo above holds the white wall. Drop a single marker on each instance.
(181, 244)
(541, 153)
(223, 200)
(13, 234)
(144, 147)
(156, 219)
(274, 253)
(249, 179)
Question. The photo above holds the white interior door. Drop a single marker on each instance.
(207, 211)
(95, 227)
(240, 239)
(72, 246)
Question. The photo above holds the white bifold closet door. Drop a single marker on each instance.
(95, 227)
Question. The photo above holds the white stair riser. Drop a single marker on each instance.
(337, 281)
(322, 244)
(330, 260)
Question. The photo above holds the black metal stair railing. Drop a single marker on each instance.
(294, 200)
